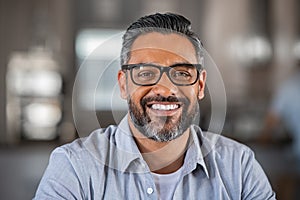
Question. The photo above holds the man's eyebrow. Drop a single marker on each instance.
(176, 63)
(182, 63)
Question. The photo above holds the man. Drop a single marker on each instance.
(156, 152)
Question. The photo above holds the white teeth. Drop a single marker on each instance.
(164, 107)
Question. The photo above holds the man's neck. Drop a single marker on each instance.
(162, 157)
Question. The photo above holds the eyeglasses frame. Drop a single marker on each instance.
(163, 69)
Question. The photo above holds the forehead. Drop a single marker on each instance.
(169, 47)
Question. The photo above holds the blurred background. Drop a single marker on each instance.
(43, 43)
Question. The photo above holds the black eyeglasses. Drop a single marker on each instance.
(182, 74)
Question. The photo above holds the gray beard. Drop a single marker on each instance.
(163, 129)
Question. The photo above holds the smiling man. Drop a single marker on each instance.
(162, 82)
(157, 151)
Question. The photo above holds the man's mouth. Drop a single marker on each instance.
(164, 107)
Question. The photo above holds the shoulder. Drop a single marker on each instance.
(236, 163)
(224, 154)
(85, 151)
(97, 141)
(113, 147)
(222, 145)
(72, 166)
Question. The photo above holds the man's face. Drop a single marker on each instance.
(163, 111)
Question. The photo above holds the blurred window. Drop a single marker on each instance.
(97, 52)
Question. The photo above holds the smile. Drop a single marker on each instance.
(164, 107)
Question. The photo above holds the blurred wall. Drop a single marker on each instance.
(251, 42)
(239, 36)
(30, 23)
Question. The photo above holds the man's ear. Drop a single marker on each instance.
(122, 84)
(202, 80)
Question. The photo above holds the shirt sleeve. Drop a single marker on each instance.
(255, 182)
(60, 180)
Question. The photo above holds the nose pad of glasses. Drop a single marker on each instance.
(165, 79)
(165, 86)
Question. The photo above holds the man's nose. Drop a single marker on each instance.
(165, 87)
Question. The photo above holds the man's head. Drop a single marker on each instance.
(162, 76)
(163, 23)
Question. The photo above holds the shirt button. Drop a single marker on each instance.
(149, 190)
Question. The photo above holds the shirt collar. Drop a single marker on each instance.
(133, 161)
(195, 154)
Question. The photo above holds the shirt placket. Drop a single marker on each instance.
(149, 187)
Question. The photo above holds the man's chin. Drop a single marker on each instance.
(161, 129)
(164, 135)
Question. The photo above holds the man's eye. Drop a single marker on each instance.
(146, 74)
(181, 74)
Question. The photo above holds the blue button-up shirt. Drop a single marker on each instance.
(108, 165)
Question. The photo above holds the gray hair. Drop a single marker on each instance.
(162, 23)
